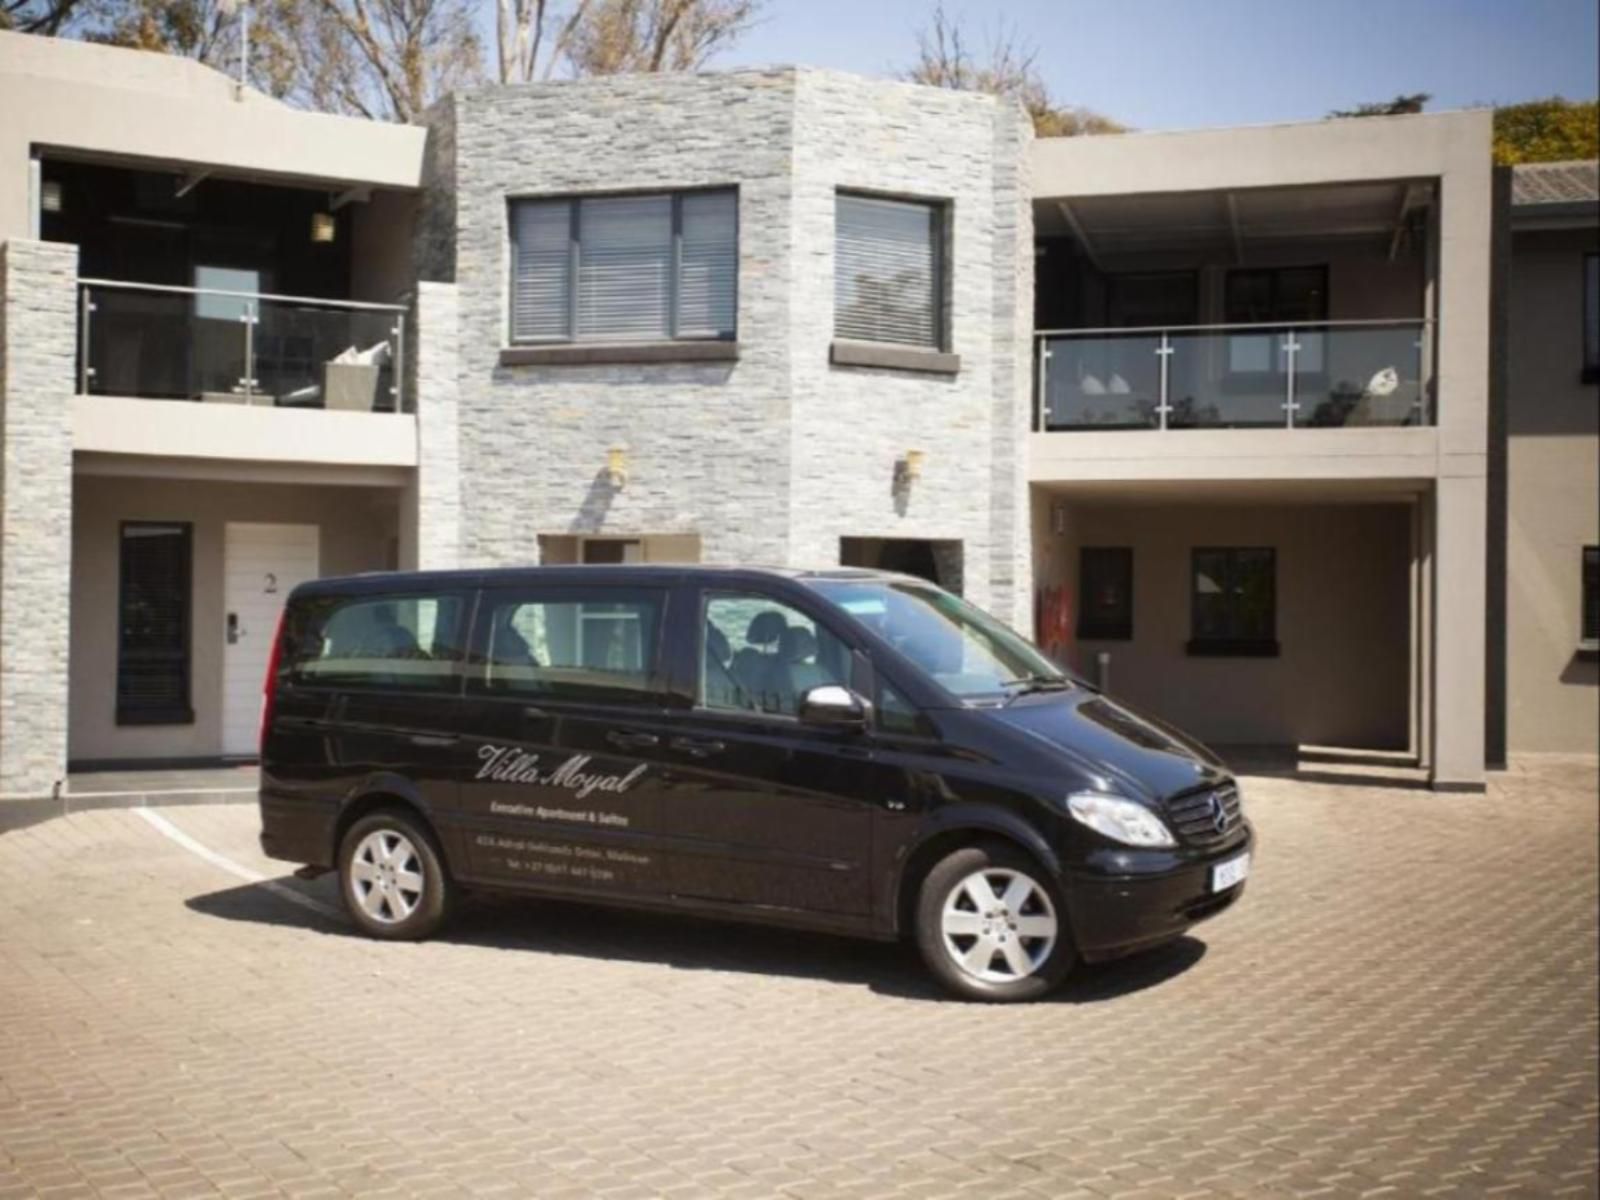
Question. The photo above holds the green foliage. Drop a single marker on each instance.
(1413, 102)
(1553, 130)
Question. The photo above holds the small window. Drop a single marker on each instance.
(612, 550)
(1105, 586)
(1273, 296)
(1591, 318)
(574, 645)
(153, 624)
(761, 655)
(1234, 602)
(888, 271)
(632, 268)
(391, 643)
(1590, 625)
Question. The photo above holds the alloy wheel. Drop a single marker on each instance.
(998, 925)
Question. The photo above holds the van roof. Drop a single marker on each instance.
(381, 581)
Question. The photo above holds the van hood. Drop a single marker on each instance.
(1144, 757)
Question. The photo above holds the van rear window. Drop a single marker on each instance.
(404, 643)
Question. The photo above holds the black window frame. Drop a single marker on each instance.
(132, 713)
(574, 202)
(1589, 599)
(1591, 318)
(1234, 644)
(942, 210)
(1119, 627)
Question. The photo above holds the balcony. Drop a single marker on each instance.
(1325, 374)
(216, 346)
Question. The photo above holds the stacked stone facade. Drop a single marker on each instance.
(38, 331)
(774, 457)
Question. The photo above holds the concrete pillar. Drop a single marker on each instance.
(431, 528)
(38, 341)
(1460, 527)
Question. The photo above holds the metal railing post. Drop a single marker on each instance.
(1043, 403)
(398, 365)
(247, 382)
(86, 311)
(1291, 349)
(1164, 400)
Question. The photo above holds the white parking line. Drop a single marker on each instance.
(167, 829)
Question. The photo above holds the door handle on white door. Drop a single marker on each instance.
(234, 632)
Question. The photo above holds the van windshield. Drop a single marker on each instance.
(966, 651)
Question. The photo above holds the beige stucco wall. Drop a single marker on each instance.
(1342, 609)
(359, 527)
(76, 96)
(1553, 479)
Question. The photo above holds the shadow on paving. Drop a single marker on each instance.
(690, 943)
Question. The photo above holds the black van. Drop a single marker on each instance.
(843, 750)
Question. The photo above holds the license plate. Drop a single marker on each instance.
(1229, 874)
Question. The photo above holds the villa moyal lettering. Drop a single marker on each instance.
(507, 764)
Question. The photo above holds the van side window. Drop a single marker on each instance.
(402, 643)
(760, 655)
(572, 645)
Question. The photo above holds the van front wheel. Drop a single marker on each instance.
(392, 878)
(992, 927)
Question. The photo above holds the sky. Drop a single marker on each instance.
(1179, 64)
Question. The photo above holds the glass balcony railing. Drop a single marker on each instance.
(221, 347)
(1322, 375)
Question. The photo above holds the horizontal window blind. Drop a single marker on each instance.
(709, 265)
(541, 275)
(625, 268)
(886, 271)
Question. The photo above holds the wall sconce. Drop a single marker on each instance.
(617, 467)
(323, 227)
(909, 469)
(50, 196)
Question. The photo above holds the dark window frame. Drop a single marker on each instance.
(574, 202)
(1234, 644)
(1254, 379)
(1188, 277)
(942, 241)
(1589, 598)
(171, 714)
(1591, 318)
(1118, 628)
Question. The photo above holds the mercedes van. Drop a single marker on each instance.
(840, 750)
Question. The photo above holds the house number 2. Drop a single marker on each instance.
(272, 585)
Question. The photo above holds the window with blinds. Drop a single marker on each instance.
(888, 270)
(153, 605)
(625, 268)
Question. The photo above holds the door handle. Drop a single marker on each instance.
(632, 741)
(431, 739)
(698, 747)
(234, 632)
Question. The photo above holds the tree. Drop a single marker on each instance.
(48, 17)
(1413, 102)
(1006, 68)
(616, 37)
(1553, 130)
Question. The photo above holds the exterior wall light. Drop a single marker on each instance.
(50, 196)
(323, 227)
(617, 467)
(909, 469)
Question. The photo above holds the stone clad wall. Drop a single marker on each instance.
(38, 335)
(707, 443)
(774, 458)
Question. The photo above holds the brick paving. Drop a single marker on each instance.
(1403, 1005)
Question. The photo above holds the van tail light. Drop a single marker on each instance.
(269, 686)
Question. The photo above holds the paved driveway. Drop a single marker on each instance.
(1404, 1004)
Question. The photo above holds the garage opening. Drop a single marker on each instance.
(934, 559)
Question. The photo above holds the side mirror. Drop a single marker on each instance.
(834, 707)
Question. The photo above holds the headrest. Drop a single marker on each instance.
(766, 627)
(797, 644)
(717, 643)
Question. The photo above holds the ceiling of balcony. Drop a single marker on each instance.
(1232, 222)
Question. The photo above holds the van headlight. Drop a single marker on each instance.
(1121, 820)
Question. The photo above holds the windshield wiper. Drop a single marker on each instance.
(1037, 683)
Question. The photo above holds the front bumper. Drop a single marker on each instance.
(1118, 913)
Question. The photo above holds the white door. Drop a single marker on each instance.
(261, 565)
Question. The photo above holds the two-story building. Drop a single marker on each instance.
(1211, 411)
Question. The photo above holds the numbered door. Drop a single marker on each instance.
(262, 564)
